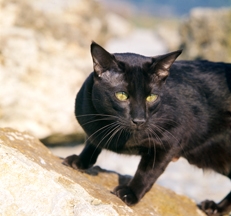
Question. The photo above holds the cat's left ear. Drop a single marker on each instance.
(102, 60)
(161, 64)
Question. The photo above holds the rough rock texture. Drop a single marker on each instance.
(44, 59)
(34, 182)
(206, 34)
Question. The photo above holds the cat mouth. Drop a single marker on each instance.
(138, 130)
(138, 134)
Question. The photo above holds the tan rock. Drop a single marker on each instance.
(206, 34)
(44, 59)
(34, 182)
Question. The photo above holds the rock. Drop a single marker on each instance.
(168, 31)
(206, 34)
(44, 59)
(118, 26)
(34, 182)
(141, 41)
(64, 140)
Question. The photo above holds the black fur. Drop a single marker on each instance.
(190, 118)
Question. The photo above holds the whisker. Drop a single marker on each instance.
(166, 121)
(149, 139)
(108, 128)
(170, 135)
(96, 114)
(121, 131)
(157, 137)
(108, 133)
(97, 120)
(114, 132)
(154, 154)
(100, 129)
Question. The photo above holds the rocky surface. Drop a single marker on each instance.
(179, 176)
(44, 59)
(206, 34)
(34, 182)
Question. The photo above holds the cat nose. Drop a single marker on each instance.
(138, 121)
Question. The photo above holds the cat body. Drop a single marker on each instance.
(160, 109)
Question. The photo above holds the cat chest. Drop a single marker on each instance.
(134, 147)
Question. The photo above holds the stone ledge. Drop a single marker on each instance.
(34, 182)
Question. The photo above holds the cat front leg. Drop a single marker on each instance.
(213, 209)
(85, 160)
(149, 169)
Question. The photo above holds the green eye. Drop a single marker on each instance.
(152, 97)
(122, 96)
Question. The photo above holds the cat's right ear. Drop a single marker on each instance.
(102, 60)
(161, 64)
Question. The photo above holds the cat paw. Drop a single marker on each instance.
(126, 194)
(210, 208)
(75, 162)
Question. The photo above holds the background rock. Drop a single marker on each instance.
(142, 41)
(44, 59)
(34, 182)
(206, 34)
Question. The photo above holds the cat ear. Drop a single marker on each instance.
(161, 64)
(102, 60)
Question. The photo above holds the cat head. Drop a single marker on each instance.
(128, 85)
(158, 66)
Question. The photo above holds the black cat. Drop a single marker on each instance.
(132, 104)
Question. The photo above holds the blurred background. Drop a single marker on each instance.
(45, 57)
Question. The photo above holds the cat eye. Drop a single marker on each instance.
(122, 96)
(152, 97)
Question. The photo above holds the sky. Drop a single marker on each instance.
(168, 8)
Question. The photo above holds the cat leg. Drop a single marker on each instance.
(149, 169)
(85, 160)
(213, 209)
